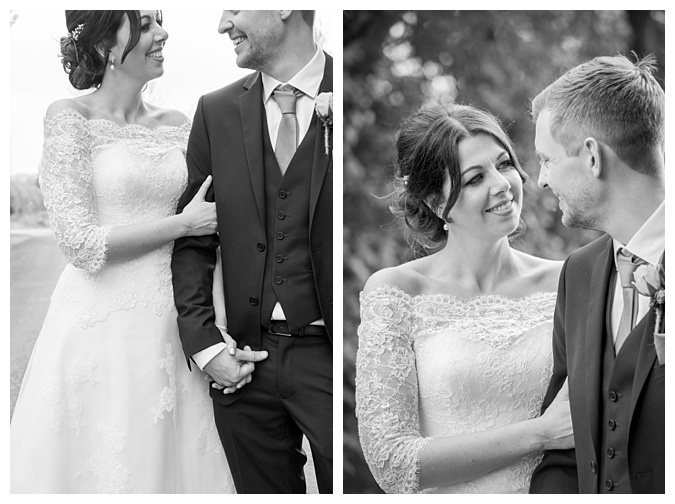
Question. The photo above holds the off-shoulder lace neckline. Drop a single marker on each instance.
(71, 112)
(394, 290)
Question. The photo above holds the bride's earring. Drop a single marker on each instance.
(446, 226)
(112, 62)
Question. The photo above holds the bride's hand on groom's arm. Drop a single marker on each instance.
(232, 368)
(556, 422)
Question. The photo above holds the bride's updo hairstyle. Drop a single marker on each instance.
(427, 152)
(91, 31)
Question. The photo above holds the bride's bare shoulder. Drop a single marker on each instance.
(67, 103)
(544, 272)
(405, 277)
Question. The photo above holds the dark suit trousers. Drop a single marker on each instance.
(291, 393)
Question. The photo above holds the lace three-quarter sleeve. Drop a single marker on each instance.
(387, 391)
(65, 178)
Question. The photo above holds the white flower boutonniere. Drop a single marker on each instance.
(650, 281)
(323, 105)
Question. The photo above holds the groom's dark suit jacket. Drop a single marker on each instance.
(634, 393)
(226, 142)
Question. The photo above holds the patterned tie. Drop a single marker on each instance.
(627, 264)
(287, 137)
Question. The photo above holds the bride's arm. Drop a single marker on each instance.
(198, 218)
(449, 460)
(387, 402)
(65, 177)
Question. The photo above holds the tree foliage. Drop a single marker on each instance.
(394, 61)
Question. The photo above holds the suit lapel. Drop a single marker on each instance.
(321, 161)
(595, 333)
(647, 352)
(251, 110)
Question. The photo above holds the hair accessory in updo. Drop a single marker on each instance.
(405, 180)
(75, 34)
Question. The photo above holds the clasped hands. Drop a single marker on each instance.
(231, 369)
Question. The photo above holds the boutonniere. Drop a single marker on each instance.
(650, 281)
(323, 105)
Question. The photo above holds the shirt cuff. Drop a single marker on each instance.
(203, 357)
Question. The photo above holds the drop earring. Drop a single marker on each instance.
(446, 226)
(112, 62)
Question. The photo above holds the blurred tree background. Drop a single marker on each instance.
(394, 61)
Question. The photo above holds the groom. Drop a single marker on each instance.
(600, 138)
(270, 155)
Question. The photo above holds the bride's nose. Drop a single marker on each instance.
(499, 184)
(161, 36)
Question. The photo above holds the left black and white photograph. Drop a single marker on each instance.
(171, 253)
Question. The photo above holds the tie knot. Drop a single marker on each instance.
(627, 263)
(286, 95)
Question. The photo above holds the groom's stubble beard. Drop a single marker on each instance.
(263, 51)
(583, 211)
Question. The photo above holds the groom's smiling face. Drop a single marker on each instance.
(567, 176)
(255, 35)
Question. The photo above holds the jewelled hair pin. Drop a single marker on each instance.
(405, 180)
(75, 34)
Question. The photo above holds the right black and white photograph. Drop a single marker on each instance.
(504, 251)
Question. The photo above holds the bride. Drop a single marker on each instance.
(454, 351)
(107, 404)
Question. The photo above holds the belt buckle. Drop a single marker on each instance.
(274, 333)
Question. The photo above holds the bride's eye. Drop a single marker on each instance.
(474, 180)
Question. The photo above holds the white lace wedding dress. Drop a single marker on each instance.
(107, 403)
(434, 366)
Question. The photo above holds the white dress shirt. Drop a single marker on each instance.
(648, 244)
(308, 80)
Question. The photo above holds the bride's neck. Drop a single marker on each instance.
(480, 266)
(124, 102)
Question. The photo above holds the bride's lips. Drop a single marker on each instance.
(504, 207)
(157, 55)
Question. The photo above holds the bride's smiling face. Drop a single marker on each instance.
(146, 60)
(490, 198)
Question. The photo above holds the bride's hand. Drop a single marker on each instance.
(556, 422)
(199, 216)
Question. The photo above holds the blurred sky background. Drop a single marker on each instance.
(197, 60)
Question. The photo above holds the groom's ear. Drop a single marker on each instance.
(594, 156)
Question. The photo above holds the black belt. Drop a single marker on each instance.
(280, 328)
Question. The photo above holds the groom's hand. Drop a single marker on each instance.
(231, 372)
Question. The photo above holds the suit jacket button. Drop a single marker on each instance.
(609, 484)
(283, 194)
(278, 280)
(281, 215)
(261, 247)
(612, 396)
(594, 467)
(610, 452)
(280, 235)
(279, 258)
(253, 301)
(611, 424)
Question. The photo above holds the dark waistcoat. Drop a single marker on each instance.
(288, 274)
(617, 386)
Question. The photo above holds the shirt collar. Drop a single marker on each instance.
(650, 240)
(306, 80)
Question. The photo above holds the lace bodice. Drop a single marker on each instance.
(97, 174)
(434, 366)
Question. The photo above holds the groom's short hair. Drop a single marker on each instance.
(611, 99)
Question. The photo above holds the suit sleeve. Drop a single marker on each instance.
(194, 257)
(557, 473)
